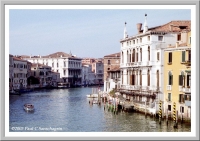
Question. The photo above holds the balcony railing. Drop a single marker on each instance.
(186, 90)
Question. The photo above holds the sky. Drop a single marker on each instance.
(83, 32)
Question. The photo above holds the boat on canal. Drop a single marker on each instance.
(28, 107)
(92, 96)
(62, 85)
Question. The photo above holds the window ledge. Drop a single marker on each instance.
(169, 63)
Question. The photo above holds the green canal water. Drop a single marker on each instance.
(68, 110)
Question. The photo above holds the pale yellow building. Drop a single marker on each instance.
(177, 77)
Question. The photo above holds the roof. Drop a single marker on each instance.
(177, 26)
(18, 59)
(113, 55)
(173, 26)
(58, 54)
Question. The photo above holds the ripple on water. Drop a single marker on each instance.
(70, 110)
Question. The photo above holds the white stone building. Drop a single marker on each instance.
(142, 59)
(67, 65)
(113, 80)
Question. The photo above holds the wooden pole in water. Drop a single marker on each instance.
(167, 116)
(145, 108)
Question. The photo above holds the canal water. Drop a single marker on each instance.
(68, 110)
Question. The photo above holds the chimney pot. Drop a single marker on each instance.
(139, 26)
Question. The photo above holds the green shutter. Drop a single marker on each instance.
(183, 56)
(180, 80)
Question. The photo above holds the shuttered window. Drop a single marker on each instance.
(183, 56)
(170, 57)
(170, 79)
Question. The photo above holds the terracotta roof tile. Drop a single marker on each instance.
(177, 26)
(113, 55)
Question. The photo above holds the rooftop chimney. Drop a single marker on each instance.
(139, 26)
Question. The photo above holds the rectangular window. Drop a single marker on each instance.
(190, 40)
(181, 98)
(170, 57)
(178, 37)
(180, 80)
(140, 40)
(183, 56)
(158, 56)
(169, 96)
(170, 79)
(148, 38)
(189, 55)
(169, 107)
(181, 109)
(108, 62)
(188, 80)
(160, 38)
(133, 41)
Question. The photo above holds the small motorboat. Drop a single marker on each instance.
(92, 96)
(28, 107)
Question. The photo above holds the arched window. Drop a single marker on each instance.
(148, 78)
(141, 54)
(133, 56)
(148, 53)
(181, 79)
(157, 77)
(141, 77)
(170, 78)
(127, 57)
(122, 57)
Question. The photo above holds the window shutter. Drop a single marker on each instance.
(183, 56)
(180, 80)
(188, 80)
(171, 79)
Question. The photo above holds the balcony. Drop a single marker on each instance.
(169, 87)
(186, 90)
(187, 63)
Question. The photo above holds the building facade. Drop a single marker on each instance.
(43, 73)
(67, 65)
(177, 78)
(111, 61)
(142, 61)
(113, 80)
(19, 73)
(11, 67)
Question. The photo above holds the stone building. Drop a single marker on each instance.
(142, 61)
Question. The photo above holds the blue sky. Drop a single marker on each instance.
(84, 32)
